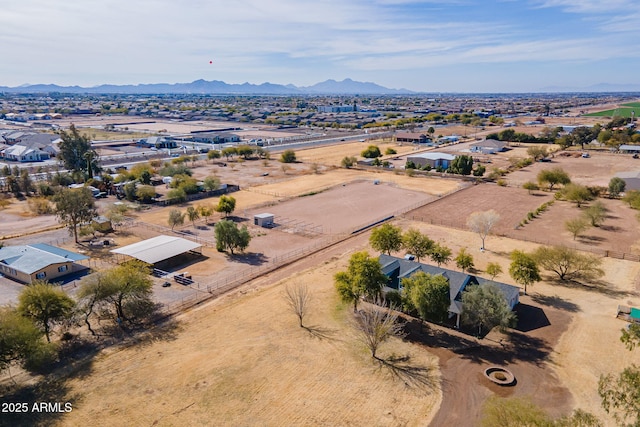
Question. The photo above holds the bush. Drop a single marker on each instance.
(389, 151)
(40, 206)
(371, 152)
(348, 162)
(288, 156)
(501, 183)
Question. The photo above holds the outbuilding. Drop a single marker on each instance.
(264, 220)
(432, 159)
(160, 251)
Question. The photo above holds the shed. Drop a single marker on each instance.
(102, 224)
(631, 179)
(264, 219)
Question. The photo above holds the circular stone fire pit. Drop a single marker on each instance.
(500, 376)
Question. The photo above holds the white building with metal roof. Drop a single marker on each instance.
(158, 249)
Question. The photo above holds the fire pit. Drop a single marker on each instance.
(500, 376)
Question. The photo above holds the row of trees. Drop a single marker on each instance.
(226, 205)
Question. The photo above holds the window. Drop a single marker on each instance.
(41, 275)
(63, 268)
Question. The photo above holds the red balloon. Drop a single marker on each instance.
(210, 62)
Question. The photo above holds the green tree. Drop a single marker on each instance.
(245, 151)
(390, 151)
(537, 152)
(461, 165)
(440, 254)
(428, 295)
(230, 237)
(386, 238)
(493, 269)
(176, 195)
(229, 152)
(371, 152)
(129, 291)
(175, 218)
(621, 395)
(482, 223)
(576, 226)
(46, 305)
(416, 243)
(74, 207)
(193, 214)
(596, 213)
(205, 212)
(211, 183)
(213, 154)
(226, 204)
(616, 186)
(576, 193)
(553, 177)
(530, 186)
(524, 269)
(145, 193)
(631, 336)
(76, 152)
(568, 263)
(464, 260)
(288, 156)
(363, 277)
(20, 341)
(486, 307)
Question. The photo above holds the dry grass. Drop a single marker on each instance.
(332, 155)
(245, 361)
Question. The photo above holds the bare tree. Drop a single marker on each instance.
(374, 325)
(482, 223)
(298, 298)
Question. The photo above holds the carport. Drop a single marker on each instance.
(159, 249)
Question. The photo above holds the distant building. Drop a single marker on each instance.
(435, 160)
(488, 146)
(412, 137)
(336, 108)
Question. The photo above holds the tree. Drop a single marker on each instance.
(76, 152)
(128, 290)
(73, 207)
(46, 305)
(374, 325)
(26, 185)
(230, 237)
(175, 218)
(428, 295)
(482, 223)
(245, 151)
(537, 152)
(298, 298)
(524, 269)
(211, 183)
(348, 162)
(416, 243)
(288, 156)
(553, 177)
(229, 152)
(440, 254)
(621, 396)
(461, 165)
(371, 152)
(193, 214)
(363, 277)
(226, 204)
(390, 151)
(145, 193)
(205, 212)
(576, 226)
(493, 269)
(20, 340)
(464, 260)
(486, 307)
(213, 154)
(568, 263)
(596, 213)
(177, 195)
(530, 186)
(576, 193)
(631, 336)
(386, 238)
(616, 186)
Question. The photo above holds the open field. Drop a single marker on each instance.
(332, 155)
(631, 109)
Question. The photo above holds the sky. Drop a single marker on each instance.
(420, 45)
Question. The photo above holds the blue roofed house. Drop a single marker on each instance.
(397, 269)
(38, 261)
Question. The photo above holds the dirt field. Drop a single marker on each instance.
(332, 155)
(16, 219)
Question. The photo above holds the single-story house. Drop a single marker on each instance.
(397, 269)
(38, 261)
(23, 153)
(631, 179)
(488, 146)
(214, 137)
(432, 159)
(412, 137)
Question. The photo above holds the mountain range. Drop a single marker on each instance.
(217, 87)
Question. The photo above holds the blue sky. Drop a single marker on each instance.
(429, 46)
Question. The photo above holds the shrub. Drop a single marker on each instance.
(389, 151)
(288, 156)
(40, 206)
(501, 183)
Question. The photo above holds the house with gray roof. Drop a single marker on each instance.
(488, 146)
(433, 159)
(38, 261)
(397, 269)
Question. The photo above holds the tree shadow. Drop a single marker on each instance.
(320, 332)
(599, 286)
(612, 228)
(591, 240)
(45, 391)
(164, 330)
(250, 258)
(555, 302)
(530, 318)
(413, 375)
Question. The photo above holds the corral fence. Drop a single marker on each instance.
(230, 188)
